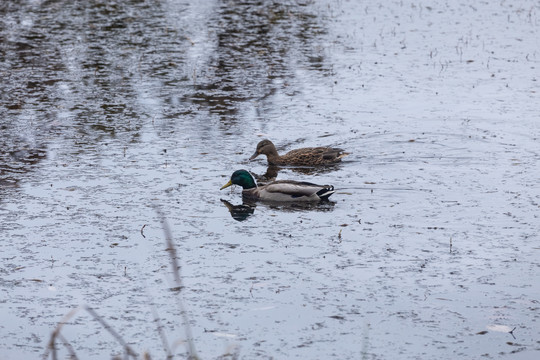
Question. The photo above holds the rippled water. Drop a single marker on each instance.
(429, 248)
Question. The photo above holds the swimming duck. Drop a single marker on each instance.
(281, 190)
(306, 156)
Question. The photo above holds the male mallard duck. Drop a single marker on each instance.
(306, 156)
(281, 190)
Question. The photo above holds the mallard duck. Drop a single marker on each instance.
(281, 190)
(301, 157)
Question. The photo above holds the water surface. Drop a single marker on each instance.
(429, 248)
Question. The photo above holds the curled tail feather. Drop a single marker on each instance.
(326, 192)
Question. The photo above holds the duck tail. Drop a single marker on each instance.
(325, 192)
(342, 155)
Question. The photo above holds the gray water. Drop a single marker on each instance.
(429, 248)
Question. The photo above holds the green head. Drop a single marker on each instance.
(242, 178)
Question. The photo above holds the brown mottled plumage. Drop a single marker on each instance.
(301, 157)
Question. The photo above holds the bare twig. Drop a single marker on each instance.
(159, 327)
(128, 350)
(69, 348)
(142, 229)
(51, 347)
(192, 353)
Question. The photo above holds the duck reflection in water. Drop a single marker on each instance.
(239, 212)
(246, 209)
(269, 176)
(272, 172)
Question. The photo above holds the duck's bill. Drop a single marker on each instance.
(226, 185)
(254, 156)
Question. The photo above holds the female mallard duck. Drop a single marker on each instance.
(281, 190)
(306, 156)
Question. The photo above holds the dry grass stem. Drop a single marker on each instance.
(192, 353)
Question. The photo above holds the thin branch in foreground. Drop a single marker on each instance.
(160, 331)
(128, 350)
(51, 347)
(171, 248)
(68, 346)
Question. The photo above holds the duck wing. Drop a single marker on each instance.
(333, 153)
(295, 190)
(314, 155)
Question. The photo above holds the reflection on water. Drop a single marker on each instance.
(17, 157)
(272, 172)
(269, 176)
(87, 72)
(321, 206)
(109, 106)
(242, 211)
(255, 41)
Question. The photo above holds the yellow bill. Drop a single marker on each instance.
(226, 185)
